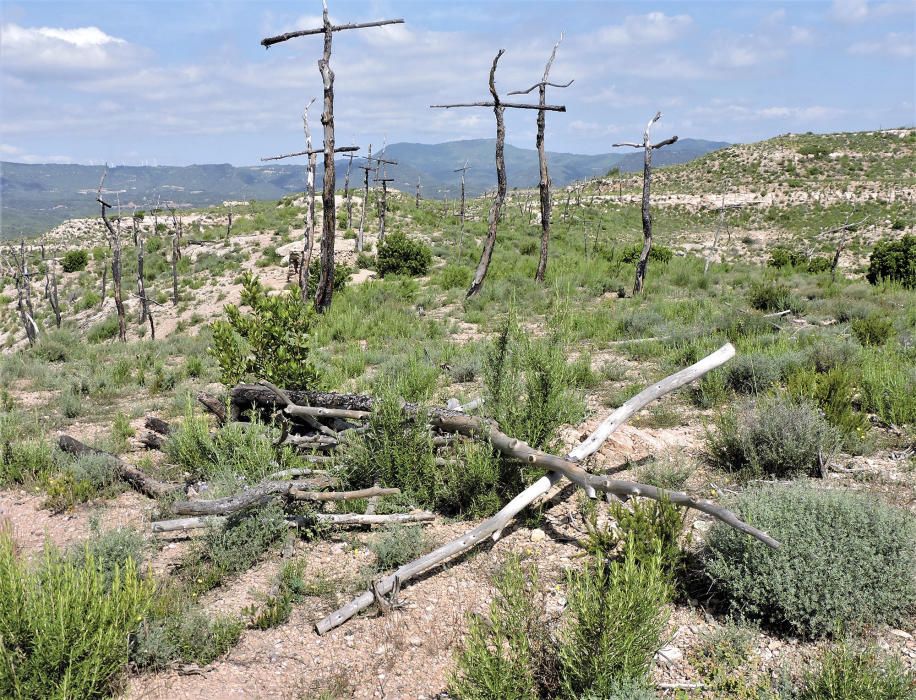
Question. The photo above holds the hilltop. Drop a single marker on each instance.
(37, 197)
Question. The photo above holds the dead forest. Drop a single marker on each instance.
(648, 435)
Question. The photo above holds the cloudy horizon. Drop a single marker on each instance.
(177, 83)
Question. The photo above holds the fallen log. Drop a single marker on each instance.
(157, 425)
(494, 526)
(214, 406)
(339, 519)
(268, 490)
(137, 479)
(153, 441)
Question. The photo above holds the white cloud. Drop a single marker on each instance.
(849, 11)
(18, 155)
(720, 109)
(50, 52)
(893, 44)
(652, 28)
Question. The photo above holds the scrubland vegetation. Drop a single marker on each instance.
(807, 433)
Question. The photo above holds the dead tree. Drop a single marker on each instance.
(647, 147)
(348, 195)
(141, 282)
(367, 168)
(114, 242)
(499, 108)
(308, 238)
(461, 210)
(51, 289)
(722, 223)
(325, 289)
(544, 183)
(383, 207)
(845, 229)
(19, 270)
(417, 202)
(229, 224)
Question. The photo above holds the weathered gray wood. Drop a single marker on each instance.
(139, 480)
(494, 526)
(647, 147)
(114, 242)
(338, 519)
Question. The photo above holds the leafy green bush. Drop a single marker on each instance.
(24, 462)
(894, 261)
(398, 545)
(454, 277)
(399, 255)
(64, 628)
(846, 672)
(650, 529)
(773, 436)
(272, 342)
(834, 393)
(341, 276)
(109, 551)
(290, 588)
(74, 261)
(529, 386)
(80, 479)
(658, 253)
(174, 631)
(769, 296)
(230, 550)
(872, 330)
(618, 616)
(502, 656)
(846, 560)
(888, 378)
(103, 330)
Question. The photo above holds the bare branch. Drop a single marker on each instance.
(270, 41)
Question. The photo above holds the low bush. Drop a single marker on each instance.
(658, 253)
(847, 672)
(226, 551)
(835, 393)
(397, 545)
(109, 551)
(341, 276)
(80, 479)
(894, 261)
(271, 342)
(769, 296)
(74, 261)
(773, 436)
(103, 330)
(175, 631)
(64, 627)
(25, 461)
(846, 561)
(872, 330)
(399, 255)
(887, 381)
(618, 615)
(784, 257)
(290, 588)
(454, 277)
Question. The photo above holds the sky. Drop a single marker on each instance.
(161, 82)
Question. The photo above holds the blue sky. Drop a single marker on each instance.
(164, 82)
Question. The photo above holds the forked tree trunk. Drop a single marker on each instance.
(347, 194)
(141, 283)
(175, 254)
(114, 242)
(308, 240)
(362, 214)
(497, 205)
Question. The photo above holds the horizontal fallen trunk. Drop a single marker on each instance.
(137, 479)
(339, 519)
(214, 406)
(153, 441)
(157, 425)
(494, 526)
(268, 490)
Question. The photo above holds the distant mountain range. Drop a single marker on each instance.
(34, 198)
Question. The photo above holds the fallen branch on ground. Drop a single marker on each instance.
(339, 519)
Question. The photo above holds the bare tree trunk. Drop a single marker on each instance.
(114, 242)
(382, 211)
(141, 283)
(175, 255)
(325, 290)
(417, 203)
(24, 295)
(362, 214)
(347, 193)
(229, 224)
(104, 284)
(496, 207)
(308, 241)
(715, 240)
(51, 281)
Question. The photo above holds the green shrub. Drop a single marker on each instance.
(477, 482)
(272, 342)
(886, 388)
(784, 257)
(290, 588)
(341, 276)
(618, 615)
(529, 386)
(110, 551)
(454, 277)
(399, 255)
(24, 462)
(773, 436)
(872, 330)
(649, 529)
(397, 545)
(658, 253)
(846, 560)
(74, 261)
(80, 479)
(64, 628)
(894, 261)
(88, 300)
(103, 330)
(834, 393)
(769, 296)
(174, 631)
(502, 654)
(226, 551)
(846, 672)
(235, 452)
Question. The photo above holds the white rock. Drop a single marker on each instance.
(537, 535)
(669, 655)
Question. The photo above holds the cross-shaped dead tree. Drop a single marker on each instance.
(499, 108)
(51, 288)
(461, 211)
(114, 242)
(417, 201)
(380, 165)
(325, 290)
(348, 195)
(367, 168)
(648, 147)
(19, 270)
(544, 183)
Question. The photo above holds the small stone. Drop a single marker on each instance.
(538, 535)
(669, 655)
(416, 642)
(901, 634)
